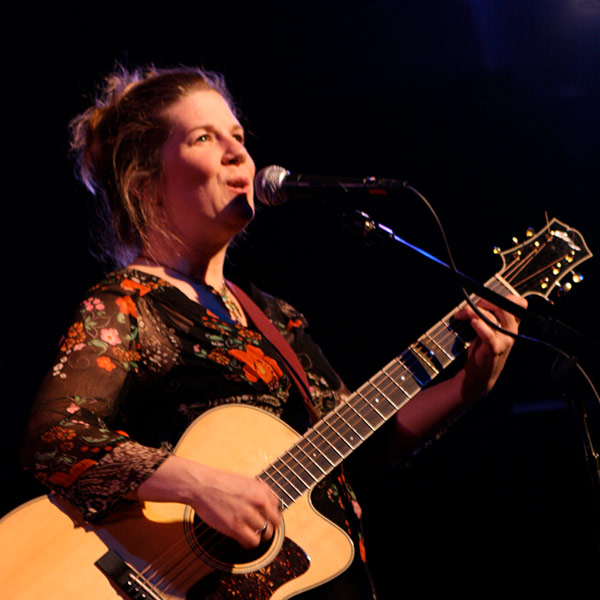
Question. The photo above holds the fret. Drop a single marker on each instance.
(279, 490)
(344, 429)
(497, 283)
(457, 344)
(350, 405)
(448, 356)
(386, 411)
(303, 468)
(350, 427)
(312, 462)
(345, 424)
(426, 357)
(395, 382)
(416, 367)
(289, 484)
(336, 440)
(373, 414)
(408, 380)
(317, 451)
(289, 473)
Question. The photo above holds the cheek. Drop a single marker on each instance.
(184, 178)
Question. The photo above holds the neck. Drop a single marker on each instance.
(199, 281)
(201, 268)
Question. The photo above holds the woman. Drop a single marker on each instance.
(163, 338)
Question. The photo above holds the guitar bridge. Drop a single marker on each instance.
(126, 579)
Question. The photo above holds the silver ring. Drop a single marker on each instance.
(264, 528)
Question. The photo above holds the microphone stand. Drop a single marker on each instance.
(561, 337)
(550, 330)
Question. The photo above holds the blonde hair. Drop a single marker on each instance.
(117, 144)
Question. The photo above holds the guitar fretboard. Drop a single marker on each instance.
(332, 439)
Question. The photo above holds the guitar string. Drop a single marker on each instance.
(407, 368)
(349, 420)
(171, 578)
(328, 443)
(351, 415)
(157, 574)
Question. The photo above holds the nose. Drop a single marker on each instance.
(235, 152)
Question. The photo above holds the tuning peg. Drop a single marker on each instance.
(529, 233)
(564, 288)
(577, 278)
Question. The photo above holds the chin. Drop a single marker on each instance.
(242, 207)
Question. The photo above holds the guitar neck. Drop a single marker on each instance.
(332, 439)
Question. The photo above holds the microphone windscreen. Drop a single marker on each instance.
(268, 185)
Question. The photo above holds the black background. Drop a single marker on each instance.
(489, 109)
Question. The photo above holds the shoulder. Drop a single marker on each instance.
(119, 293)
(129, 282)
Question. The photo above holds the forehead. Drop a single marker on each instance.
(200, 108)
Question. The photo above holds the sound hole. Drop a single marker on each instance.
(224, 553)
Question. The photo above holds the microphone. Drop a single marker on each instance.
(275, 185)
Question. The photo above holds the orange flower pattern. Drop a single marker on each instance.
(105, 363)
(75, 335)
(257, 366)
(126, 306)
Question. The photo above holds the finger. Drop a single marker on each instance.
(266, 533)
(271, 507)
(274, 511)
(252, 535)
(261, 531)
(505, 316)
(482, 320)
(495, 315)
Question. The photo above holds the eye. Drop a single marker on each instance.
(239, 137)
(205, 137)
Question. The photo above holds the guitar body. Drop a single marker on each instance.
(50, 553)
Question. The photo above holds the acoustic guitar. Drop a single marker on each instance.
(161, 551)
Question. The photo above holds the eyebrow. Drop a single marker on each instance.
(211, 127)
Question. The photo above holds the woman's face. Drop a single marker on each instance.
(207, 181)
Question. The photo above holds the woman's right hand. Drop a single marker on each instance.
(236, 505)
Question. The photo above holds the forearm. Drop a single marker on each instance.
(429, 411)
(241, 507)
(432, 409)
(176, 480)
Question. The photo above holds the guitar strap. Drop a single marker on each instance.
(264, 325)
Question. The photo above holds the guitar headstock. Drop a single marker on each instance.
(545, 261)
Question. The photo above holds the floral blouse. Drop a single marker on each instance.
(138, 364)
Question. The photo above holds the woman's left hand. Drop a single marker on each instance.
(489, 350)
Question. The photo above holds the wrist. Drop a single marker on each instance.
(176, 480)
(469, 389)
